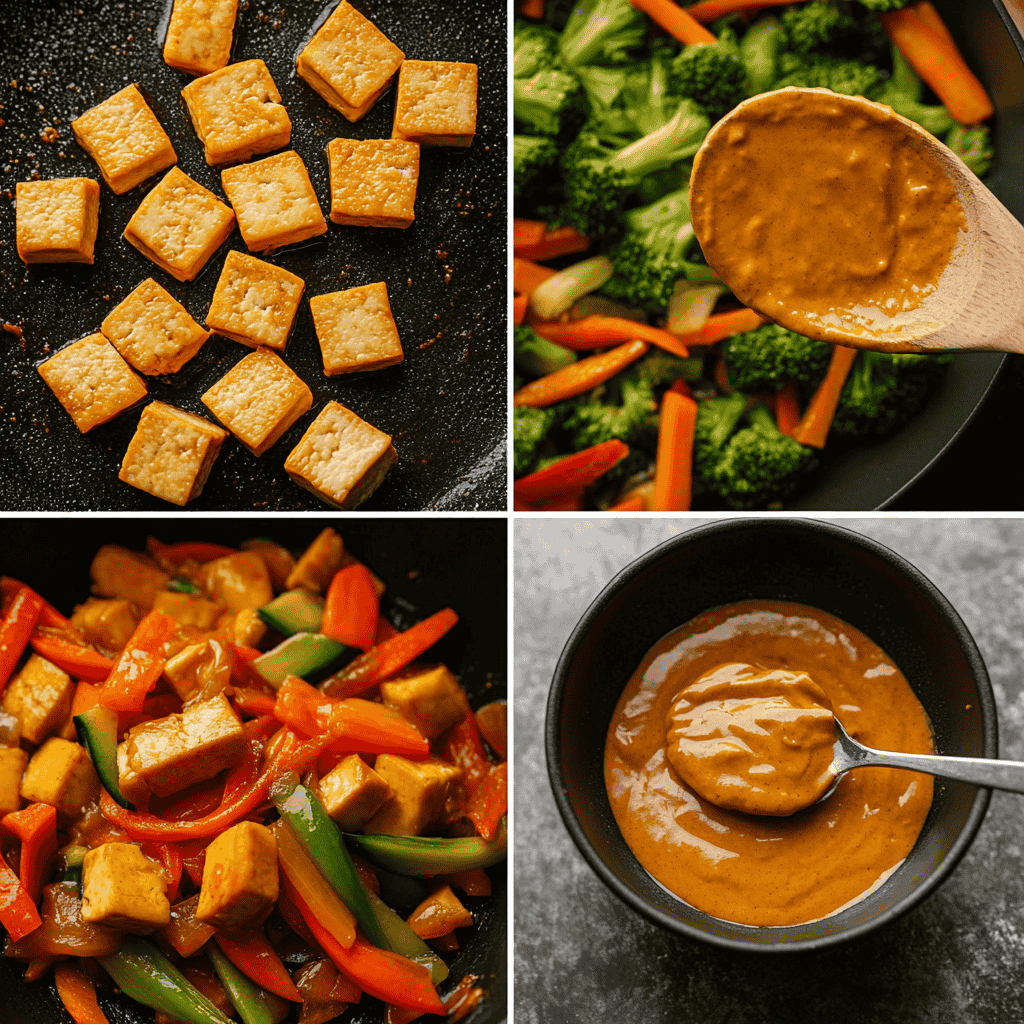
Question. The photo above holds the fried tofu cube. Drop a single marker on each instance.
(279, 560)
(171, 454)
(132, 785)
(180, 225)
(352, 792)
(199, 35)
(356, 330)
(107, 623)
(123, 889)
(237, 581)
(436, 103)
(274, 201)
(423, 796)
(373, 181)
(349, 62)
(199, 671)
(125, 138)
(258, 399)
(119, 572)
(60, 774)
(248, 628)
(39, 696)
(318, 563)
(255, 302)
(92, 381)
(57, 220)
(12, 766)
(152, 330)
(429, 698)
(188, 609)
(173, 752)
(237, 113)
(240, 879)
(341, 458)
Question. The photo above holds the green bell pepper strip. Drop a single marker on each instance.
(97, 730)
(426, 856)
(405, 942)
(144, 974)
(254, 1004)
(182, 585)
(303, 813)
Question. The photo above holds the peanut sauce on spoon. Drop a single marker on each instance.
(767, 676)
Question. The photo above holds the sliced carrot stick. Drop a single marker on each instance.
(675, 21)
(931, 17)
(579, 376)
(706, 11)
(78, 993)
(680, 387)
(527, 232)
(673, 473)
(720, 326)
(519, 303)
(559, 242)
(599, 331)
(634, 504)
(939, 64)
(532, 9)
(814, 426)
(526, 275)
(787, 408)
(579, 470)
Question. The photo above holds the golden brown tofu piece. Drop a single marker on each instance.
(173, 752)
(107, 623)
(130, 782)
(318, 563)
(199, 671)
(188, 609)
(199, 35)
(60, 774)
(39, 696)
(278, 560)
(118, 572)
(240, 880)
(57, 221)
(356, 329)
(352, 793)
(12, 766)
(424, 796)
(436, 103)
(237, 581)
(248, 628)
(430, 698)
(121, 888)
(373, 181)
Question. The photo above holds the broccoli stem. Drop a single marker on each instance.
(678, 140)
(759, 50)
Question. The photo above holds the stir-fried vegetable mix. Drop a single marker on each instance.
(190, 765)
(623, 333)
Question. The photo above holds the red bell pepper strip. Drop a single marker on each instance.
(390, 656)
(140, 664)
(379, 972)
(36, 827)
(79, 662)
(351, 608)
(170, 856)
(16, 629)
(253, 955)
(196, 551)
(86, 696)
(78, 993)
(486, 784)
(254, 702)
(462, 745)
(18, 913)
(487, 803)
(49, 616)
(241, 658)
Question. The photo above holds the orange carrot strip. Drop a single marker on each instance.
(532, 9)
(519, 303)
(527, 232)
(787, 408)
(140, 664)
(78, 662)
(719, 326)
(253, 955)
(78, 993)
(599, 331)
(578, 377)
(939, 64)
(577, 470)
(527, 275)
(634, 504)
(36, 827)
(18, 913)
(673, 474)
(931, 17)
(675, 21)
(559, 242)
(16, 629)
(821, 410)
(711, 10)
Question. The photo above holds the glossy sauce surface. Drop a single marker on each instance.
(824, 213)
(769, 870)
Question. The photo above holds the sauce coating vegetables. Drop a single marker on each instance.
(759, 870)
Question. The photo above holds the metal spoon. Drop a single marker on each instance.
(847, 753)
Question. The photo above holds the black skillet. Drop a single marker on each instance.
(426, 565)
(445, 406)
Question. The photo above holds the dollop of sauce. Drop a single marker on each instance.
(824, 212)
(753, 869)
(757, 741)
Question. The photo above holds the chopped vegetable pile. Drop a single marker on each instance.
(221, 776)
(640, 386)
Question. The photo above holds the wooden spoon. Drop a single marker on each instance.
(978, 302)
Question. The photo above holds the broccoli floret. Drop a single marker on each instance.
(602, 32)
(765, 358)
(536, 355)
(532, 156)
(535, 48)
(759, 53)
(603, 86)
(759, 466)
(717, 418)
(849, 77)
(712, 75)
(884, 390)
(551, 102)
(902, 91)
(650, 96)
(973, 144)
(883, 5)
(815, 26)
(529, 428)
(593, 421)
(658, 368)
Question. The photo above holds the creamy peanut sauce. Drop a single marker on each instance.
(759, 870)
(824, 213)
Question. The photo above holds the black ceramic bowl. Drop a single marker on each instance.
(415, 559)
(817, 564)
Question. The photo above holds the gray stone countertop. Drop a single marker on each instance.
(582, 955)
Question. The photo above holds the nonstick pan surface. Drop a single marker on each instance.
(445, 406)
(427, 565)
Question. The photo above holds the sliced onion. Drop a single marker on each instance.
(689, 308)
(559, 292)
(598, 305)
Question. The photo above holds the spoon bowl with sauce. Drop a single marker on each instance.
(843, 221)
